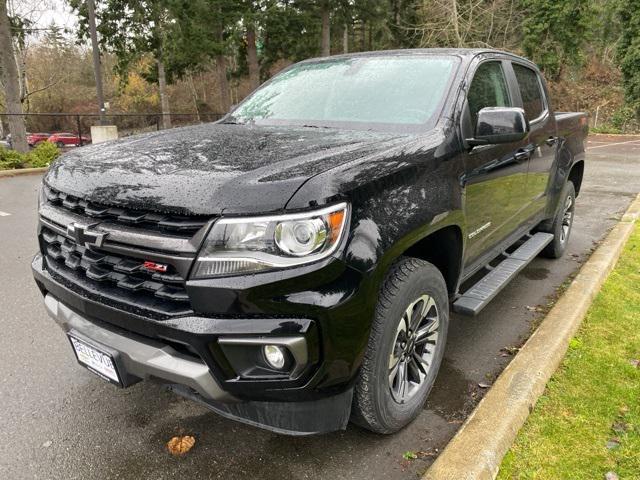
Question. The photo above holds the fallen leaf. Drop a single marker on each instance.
(507, 351)
(423, 454)
(619, 427)
(409, 455)
(611, 476)
(635, 362)
(180, 445)
(613, 443)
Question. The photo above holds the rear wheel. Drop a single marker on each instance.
(562, 223)
(59, 144)
(405, 348)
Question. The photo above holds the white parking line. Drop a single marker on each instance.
(612, 144)
(4, 214)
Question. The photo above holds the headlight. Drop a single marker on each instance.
(42, 196)
(247, 245)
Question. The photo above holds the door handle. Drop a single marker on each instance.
(522, 155)
(551, 141)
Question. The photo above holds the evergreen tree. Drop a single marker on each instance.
(629, 51)
(555, 32)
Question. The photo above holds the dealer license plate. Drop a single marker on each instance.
(99, 362)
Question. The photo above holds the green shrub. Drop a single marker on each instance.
(605, 128)
(10, 159)
(43, 155)
(622, 118)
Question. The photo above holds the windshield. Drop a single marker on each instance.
(399, 93)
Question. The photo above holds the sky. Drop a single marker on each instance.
(45, 12)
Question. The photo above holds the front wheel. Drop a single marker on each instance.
(59, 144)
(405, 348)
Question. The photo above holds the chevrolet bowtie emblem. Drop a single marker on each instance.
(83, 236)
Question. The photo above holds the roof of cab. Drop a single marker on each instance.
(460, 52)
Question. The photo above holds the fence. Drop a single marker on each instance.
(80, 123)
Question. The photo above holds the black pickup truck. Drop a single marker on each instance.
(293, 266)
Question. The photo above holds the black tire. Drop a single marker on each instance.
(562, 223)
(375, 405)
(60, 144)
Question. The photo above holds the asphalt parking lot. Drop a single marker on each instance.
(60, 421)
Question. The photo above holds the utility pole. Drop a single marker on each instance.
(97, 69)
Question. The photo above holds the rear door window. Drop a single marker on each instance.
(533, 100)
(488, 89)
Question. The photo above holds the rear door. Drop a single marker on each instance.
(495, 178)
(542, 139)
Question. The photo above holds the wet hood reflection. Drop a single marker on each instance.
(210, 168)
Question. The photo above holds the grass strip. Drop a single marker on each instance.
(587, 423)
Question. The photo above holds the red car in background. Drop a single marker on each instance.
(63, 139)
(35, 138)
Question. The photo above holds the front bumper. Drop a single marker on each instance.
(141, 357)
(177, 352)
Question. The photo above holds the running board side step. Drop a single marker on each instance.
(479, 295)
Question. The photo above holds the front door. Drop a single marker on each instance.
(495, 175)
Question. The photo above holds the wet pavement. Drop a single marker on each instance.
(59, 421)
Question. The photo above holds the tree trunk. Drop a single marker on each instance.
(455, 22)
(22, 75)
(252, 57)
(493, 14)
(11, 83)
(506, 29)
(202, 81)
(223, 83)
(345, 39)
(164, 97)
(194, 96)
(326, 30)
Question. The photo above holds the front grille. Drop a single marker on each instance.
(122, 279)
(182, 225)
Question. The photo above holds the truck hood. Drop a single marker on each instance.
(210, 168)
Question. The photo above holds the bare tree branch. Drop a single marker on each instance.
(41, 89)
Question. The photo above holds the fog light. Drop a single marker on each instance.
(274, 356)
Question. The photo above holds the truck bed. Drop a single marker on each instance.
(573, 128)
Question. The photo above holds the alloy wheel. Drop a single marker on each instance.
(413, 348)
(567, 219)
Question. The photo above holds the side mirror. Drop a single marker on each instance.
(499, 125)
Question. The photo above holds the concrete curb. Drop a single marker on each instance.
(476, 451)
(621, 135)
(22, 171)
